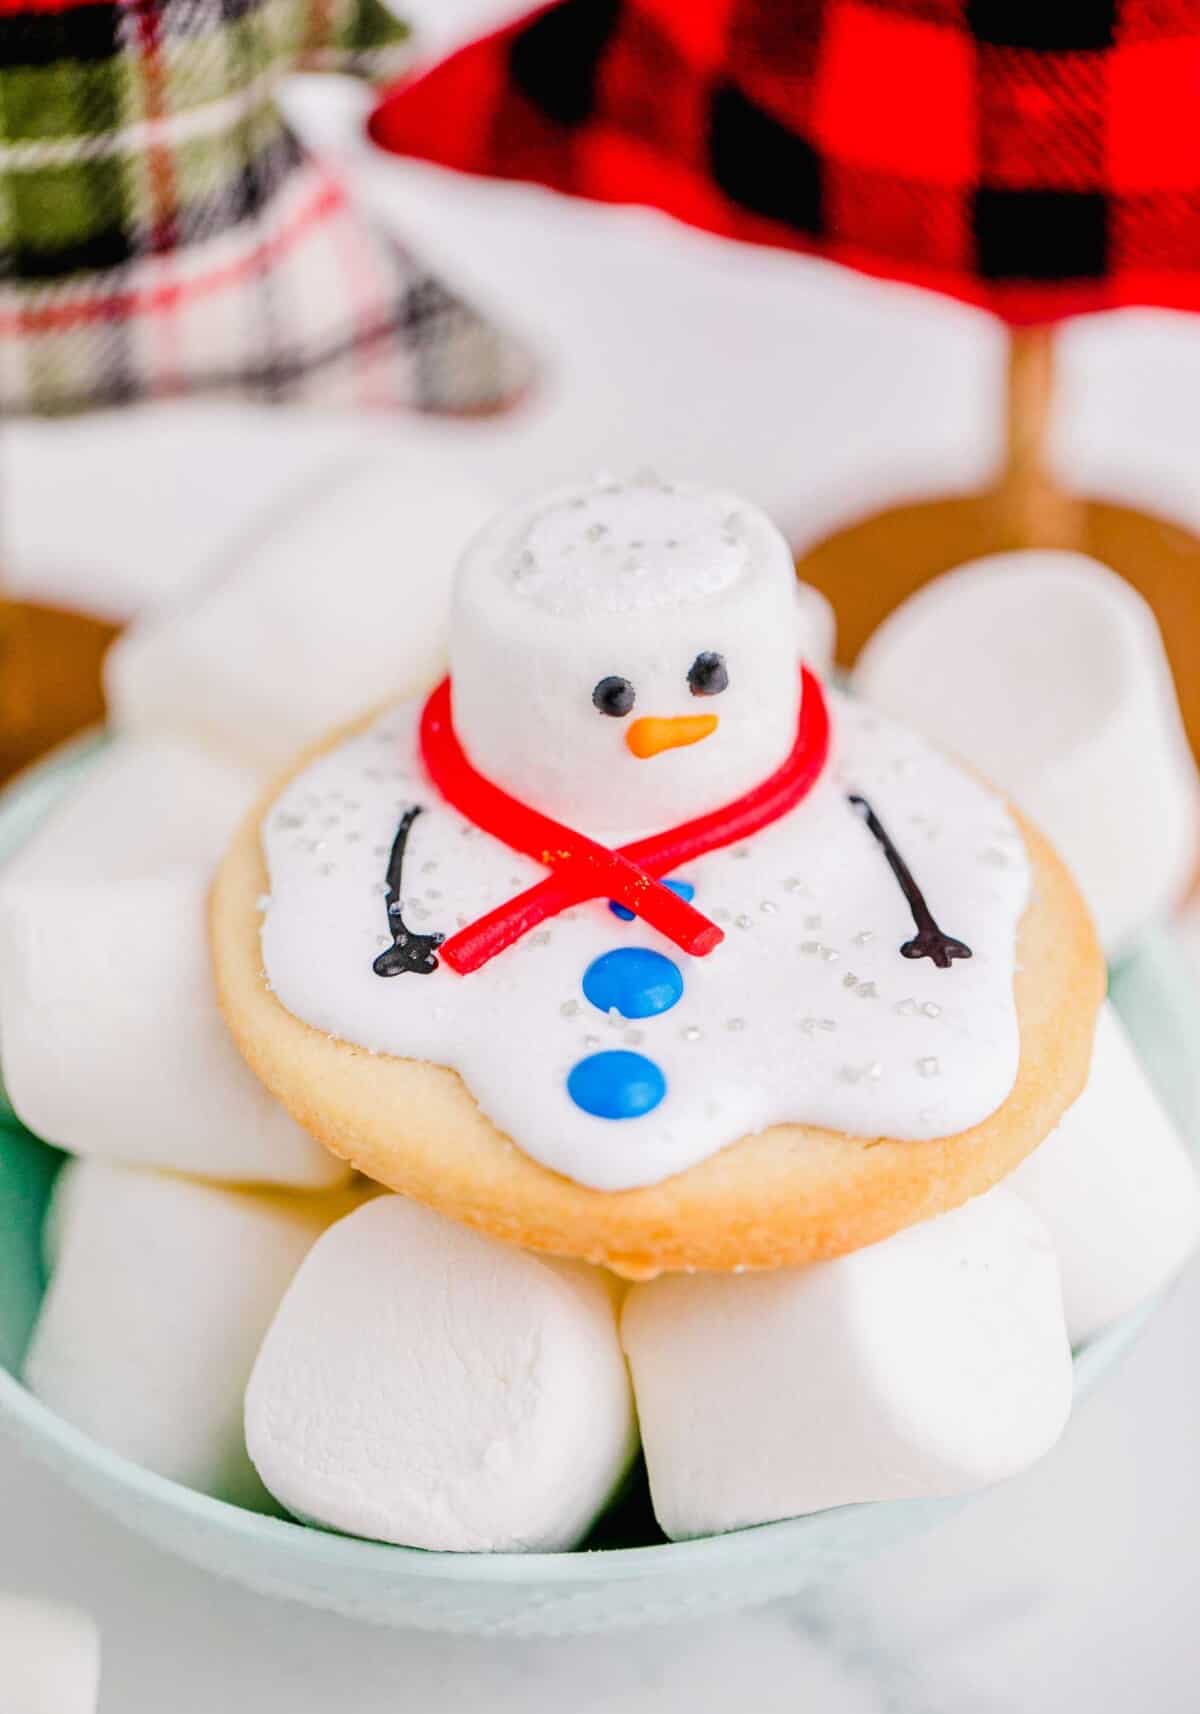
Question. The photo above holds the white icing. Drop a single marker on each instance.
(806, 1012)
(545, 608)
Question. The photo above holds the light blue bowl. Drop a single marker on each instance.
(499, 1594)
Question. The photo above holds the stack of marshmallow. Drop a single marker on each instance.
(227, 1306)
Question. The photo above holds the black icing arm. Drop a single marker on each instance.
(408, 951)
(929, 940)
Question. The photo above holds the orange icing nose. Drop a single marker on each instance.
(646, 737)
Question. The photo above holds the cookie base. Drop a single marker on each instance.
(786, 1196)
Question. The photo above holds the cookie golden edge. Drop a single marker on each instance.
(783, 1197)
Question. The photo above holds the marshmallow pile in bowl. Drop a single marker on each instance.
(253, 1332)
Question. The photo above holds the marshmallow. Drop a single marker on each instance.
(631, 585)
(161, 1292)
(426, 1385)
(336, 610)
(1047, 672)
(1116, 1188)
(930, 1364)
(49, 1658)
(111, 1037)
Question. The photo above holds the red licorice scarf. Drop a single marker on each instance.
(580, 868)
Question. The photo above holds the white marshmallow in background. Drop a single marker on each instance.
(931, 1364)
(49, 1658)
(110, 1036)
(425, 1385)
(1116, 1188)
(1047, 672)
(340, 606)
(161, 1291)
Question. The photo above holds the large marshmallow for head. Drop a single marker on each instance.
(161, 1291)
(111, 1039)
(626, 655)
(1047, 672)
(49, 1658)
(425, 1385)
(1116, 1188)
(340, 607)
(930, 1364)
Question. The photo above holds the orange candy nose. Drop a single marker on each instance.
(647, 737)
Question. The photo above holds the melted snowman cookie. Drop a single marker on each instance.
(670, 931)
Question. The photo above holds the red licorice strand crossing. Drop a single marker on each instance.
(581, 868)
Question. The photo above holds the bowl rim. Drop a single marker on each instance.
(23, 801)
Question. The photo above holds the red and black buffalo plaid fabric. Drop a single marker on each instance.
(1039, 157)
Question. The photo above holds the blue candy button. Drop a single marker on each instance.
(638, 982)
(616, 1085)
(685, 890)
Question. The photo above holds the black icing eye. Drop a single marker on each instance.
(614, 696)
(708, 675)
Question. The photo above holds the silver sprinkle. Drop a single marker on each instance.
(849, 980)
(929, 1067)
(570, 1009)
(743, 921)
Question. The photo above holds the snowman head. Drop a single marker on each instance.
(624, 656)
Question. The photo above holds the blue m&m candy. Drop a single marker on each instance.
(616, 1085)
(684, 889)
(636, 981)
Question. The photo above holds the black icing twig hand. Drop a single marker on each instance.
(408, 952)
(929, 940)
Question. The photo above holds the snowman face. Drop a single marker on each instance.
(626, 657)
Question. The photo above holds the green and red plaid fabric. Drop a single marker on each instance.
(162, 230)
(1039, 157)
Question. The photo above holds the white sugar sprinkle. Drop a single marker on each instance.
(569, 1008)
(929, 1067)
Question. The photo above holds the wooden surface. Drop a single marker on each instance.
(49, 678)
(867, 569)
